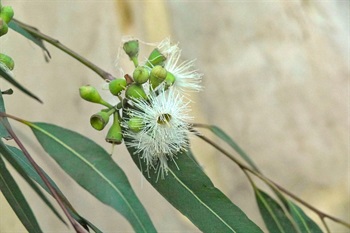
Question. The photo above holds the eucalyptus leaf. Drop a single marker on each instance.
(93, 168)
(190, 191)
(3, 131)
(17, 201)
(304, 223)
(4, 72)
(272, 213)
(16, 26)
(17, 158)
(9, 153)
(224, 136)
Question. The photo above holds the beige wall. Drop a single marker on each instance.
(276, 76)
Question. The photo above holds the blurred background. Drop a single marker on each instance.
(276, 78)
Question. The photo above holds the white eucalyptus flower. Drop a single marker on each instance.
(164, 129)
(186, 77)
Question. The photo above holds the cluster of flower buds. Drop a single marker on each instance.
(153, 105)
(6, 14)
(99, 120)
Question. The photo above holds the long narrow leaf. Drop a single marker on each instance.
(8, 154)
(17, 201)
(273, 215)
(22, 161)
(93, 168)
(190, 191)
(3, 131)
(304, 223)
(16, 26)
(224, 136)
(8, 76)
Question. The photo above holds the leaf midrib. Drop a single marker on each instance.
(200, 200)
(93, 168)
(301, 218)
(270, 211)
(15, 199)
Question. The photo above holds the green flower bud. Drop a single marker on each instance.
(141, 75)
(135, 124)
(8, 61)
(157, 76)
(131, 48)
(169, 79)
(91, 94)
(116, 86)
(155, 58)
(114, 134)
(6, 13)
(3, 27)
(99, 120)
(135, 91)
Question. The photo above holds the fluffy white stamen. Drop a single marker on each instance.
(165, 129)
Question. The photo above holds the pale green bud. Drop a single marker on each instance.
(3, 27)
(8, 61)
(131, 48)
(135, 91)
(114, 134)
(135, 124)
(169, 79)
(6, 13)
(155, 58)
(116, 86)
(99, 120)
(141, 75)
(91, 94)
(157, 76)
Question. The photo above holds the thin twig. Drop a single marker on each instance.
(36, 33)
(267, 180)
(53, 191)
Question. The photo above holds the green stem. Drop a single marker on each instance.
(52, 189)
(325, 225)
(268, 181)
(36, 33)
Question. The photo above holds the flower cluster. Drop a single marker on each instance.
(155, 119)
(6, 14)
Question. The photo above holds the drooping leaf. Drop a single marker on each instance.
(190, 191)
(18, 156)
(93, 168)
(8, 76)
(221, 134)
(272, 213)
(16, 26)
(3, 131)
(9, 152)
(304, 223)
(17, 201)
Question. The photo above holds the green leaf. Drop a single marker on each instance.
(15, 198)
(93, 168)
(304, 223)
(221, 134)
(16, 26)
(274, 217)
(190, 191)
(9, 152)
(19, 158)
(4, 72)
(3, 131)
